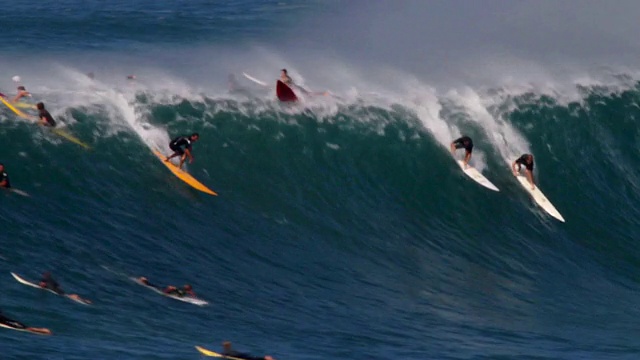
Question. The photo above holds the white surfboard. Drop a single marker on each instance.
(187, 299)
(19, 192)
(539, 198)
(477, 176)
(259, 82)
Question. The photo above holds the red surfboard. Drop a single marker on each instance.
(284, 92)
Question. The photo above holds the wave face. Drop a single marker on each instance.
(343, 227)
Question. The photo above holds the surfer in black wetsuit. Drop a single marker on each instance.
(4, 178)
(10, 322)
(186, 290)
(20, 326)
(45, 118)
(228, 351)
(466, 143)
(182, 141)
(48, 282)
(527, 161)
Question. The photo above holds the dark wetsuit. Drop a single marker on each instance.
(240, 355)
(177, 143)
(10, 322)
(45, 114)
(522, 160)
(460, 143)
(5, 177)
(51, 284)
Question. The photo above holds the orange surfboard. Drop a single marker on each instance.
(183, 175)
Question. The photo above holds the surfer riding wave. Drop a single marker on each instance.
(181, 146)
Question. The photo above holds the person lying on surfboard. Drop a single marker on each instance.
(466, 143)
(227, 350)
(44, 116)
(186, 290)
(22, 92)
(48, 282)
(4, 178)
(527, 161)
(177, 144)
(20, 326)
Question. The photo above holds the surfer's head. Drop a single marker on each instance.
(529, 159)
(1, 167)
(40, 106)
(284, 72)
(194, 137)
(22, 88)
(226, 345)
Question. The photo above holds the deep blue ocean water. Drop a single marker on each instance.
(343, 229)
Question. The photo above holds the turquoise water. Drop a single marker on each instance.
(342, 229)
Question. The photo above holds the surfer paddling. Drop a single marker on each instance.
(20, 326)
(186, 290)
(227, 350)
(181, 146)
(527, 161)
(466, 143)
(22, 92)
(44, 116)
(4, 178)
(48, 282)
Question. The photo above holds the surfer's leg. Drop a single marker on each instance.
(467, 157)
(177, 151)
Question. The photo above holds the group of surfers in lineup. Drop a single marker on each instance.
(181, 146)
(525, 160)
(47, 282)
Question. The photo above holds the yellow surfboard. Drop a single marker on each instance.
(206, 352)
(73, 139)
(183, 175)
(24, 105)
(12, 108)
(56, 131)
